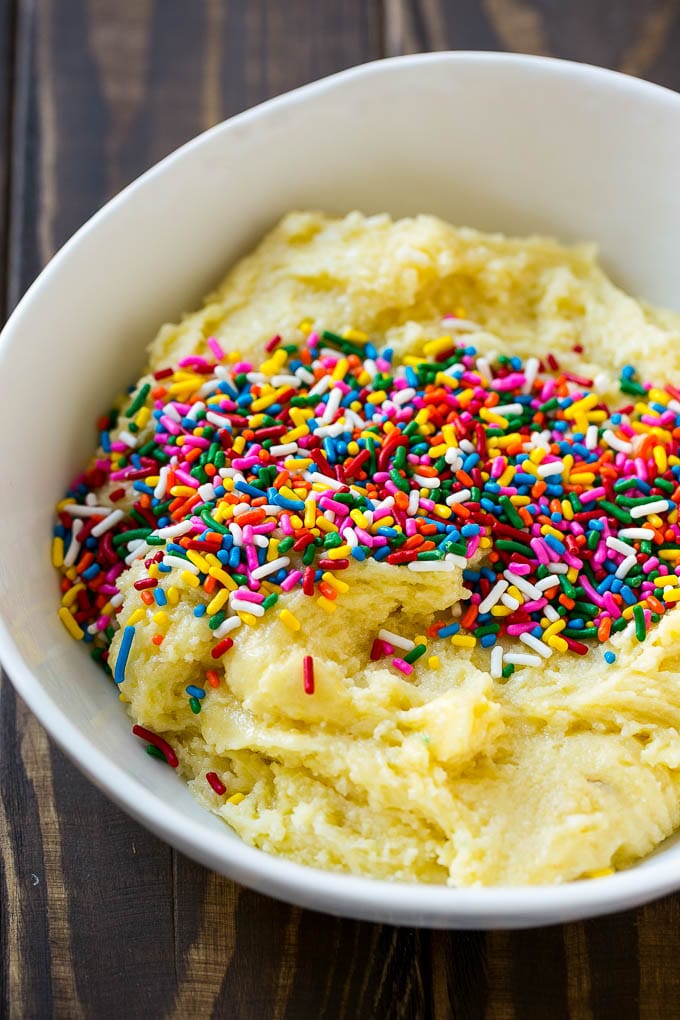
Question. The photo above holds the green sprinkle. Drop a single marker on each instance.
(640, 625)
(130, 536)
(415, 653)
(155, 752)
(194, 705)
(139, 400)
(270, 600)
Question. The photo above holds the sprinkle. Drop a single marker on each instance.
(290, 621)
(70, 623)
(308, 674)
(123, 653)
(236, 798)
(216, 783)
(609, 657)
(640, 624)
(396, 640)
(156, 741)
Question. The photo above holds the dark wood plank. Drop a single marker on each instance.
(7, 39)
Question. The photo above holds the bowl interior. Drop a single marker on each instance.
(519, 145)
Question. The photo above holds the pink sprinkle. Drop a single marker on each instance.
(405, 667)
(215, 348)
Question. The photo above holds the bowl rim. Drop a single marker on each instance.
(363, 898)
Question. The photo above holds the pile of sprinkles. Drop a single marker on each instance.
(248, 482)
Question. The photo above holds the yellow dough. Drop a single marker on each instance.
(447, 775)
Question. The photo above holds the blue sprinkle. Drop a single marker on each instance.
(449, 630)
(161, 599)
(195, 692)
(123, 653)
(358, 554)
(609, 657)
(199, 611)
(488, 640)
(91, 572)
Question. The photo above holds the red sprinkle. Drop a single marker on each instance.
(216, 783)
(308, 674)
(145, 582)
(221, 647)
(162, 745)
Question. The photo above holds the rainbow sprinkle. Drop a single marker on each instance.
(249, 482)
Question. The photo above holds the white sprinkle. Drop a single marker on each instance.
(350, 538)
(162, 482)
(108, 523)
(332, 483)
(524, 586)
(336, 429)
(619, 546)
(261, 541)
(231, 623)
(117, 600)
(319, 388)
(332, 405)
(530, 373)
(236, 533)
(494, 595)
(177, 561)
(427, 483)
(174, 530)
(271, 567)
(413, 503)
(496, 665)
(172, 413)
(506, 409)
(613, 440)
(510, 602)
(74, 545)
(283, 450)
(462, 325)
(195, 410)
(458, 561)
(91, 499)
(467, 447)
(208, 388)
(625, 566)
(547, 582)
(127, 438)
(558, 568)
(484, 368)
(218, 419)
(633, 533)
(243, 606)
(552, 468)
(77, 510)
(436, 566)
(655, 506)
(305, 375)
(138, 548)
(206, 492)
(537, 645)
(519, 659)
(403, 396)
(397, 640)
(458, 497)
(286, 380)
(551, 614)
(591, 437)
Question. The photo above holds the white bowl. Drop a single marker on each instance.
(511, 143)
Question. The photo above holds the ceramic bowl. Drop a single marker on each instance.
(511, 143)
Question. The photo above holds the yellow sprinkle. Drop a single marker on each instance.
(218, 601)
(507, 476)
(434, 347)
(182, 490)
(352, 448)
(356, 334)
(554, 628)
(500, 610)
(442, 510)
(239, 444)
(310, 513)
(572, 574)
(248, 618)
(376, 397)
(299, 415)
(297, 463)
(558, 643)
(340, 370)
(421, 639)
(583, 477)
(272, 551)
(339, 553)
(359, 518)
(69, 597)
(660, 458)
(423, 416)
(290, 621)
(654, 521)
(190, 579)
(673, 595)
(600, 873)
(327, 604)
(142, 417)
(136, 617)
(324, 525)
(296, 521)
(464, 640)
(335, 582)
(485, 542)
(161, 618)
(567, 510)
(172, 595)
(71, 624)
(495, 419)
(198, 560)
(63, 503)
(236, 798)
(263, 402)
(291, 436)
(536, 456)
(224, 578)
(433, 662)
(661, 582)
(668, 554)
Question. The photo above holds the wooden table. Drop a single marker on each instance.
(98, 918)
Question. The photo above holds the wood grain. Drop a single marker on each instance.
(97, 917)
